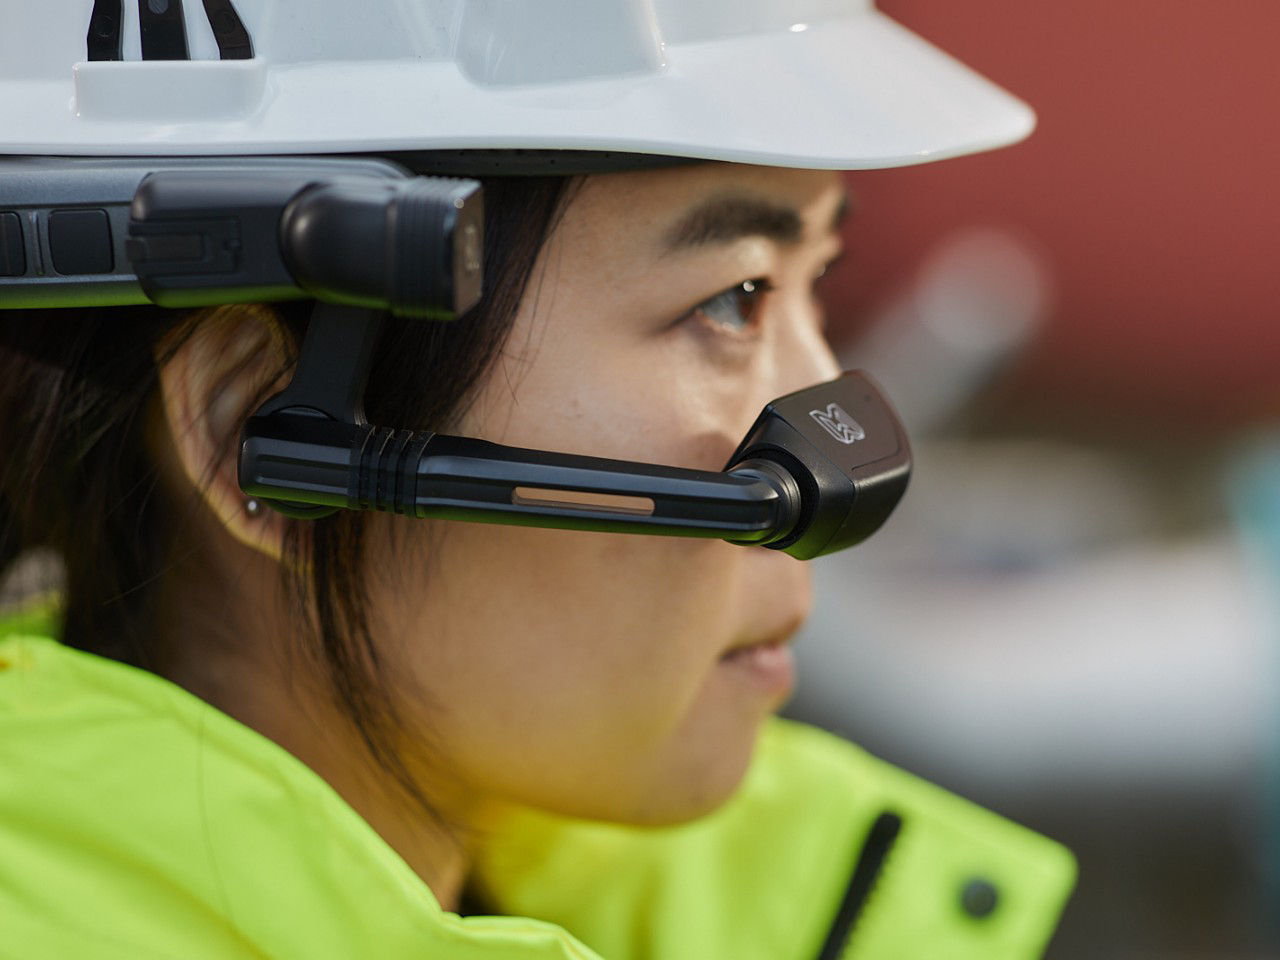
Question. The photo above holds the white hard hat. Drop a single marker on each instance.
(806, 83)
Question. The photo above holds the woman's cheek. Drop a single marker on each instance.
(585, 689)
(572, 623)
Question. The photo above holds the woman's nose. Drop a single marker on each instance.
(809, 356)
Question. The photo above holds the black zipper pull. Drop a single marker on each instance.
(875, 850)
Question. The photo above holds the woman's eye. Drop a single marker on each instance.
(736, 309)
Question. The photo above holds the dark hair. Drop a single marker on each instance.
(76, 477)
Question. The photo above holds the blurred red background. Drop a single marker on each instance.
(1149, 186)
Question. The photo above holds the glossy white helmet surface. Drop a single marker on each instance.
(806, 83)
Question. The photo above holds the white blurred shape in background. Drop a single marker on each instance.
(1016, 625)
(976, 301)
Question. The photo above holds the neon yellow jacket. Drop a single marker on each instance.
(139, 823)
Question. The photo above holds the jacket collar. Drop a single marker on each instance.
(145, 818)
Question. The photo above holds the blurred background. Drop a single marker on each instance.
(1074, 617)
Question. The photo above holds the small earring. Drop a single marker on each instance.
(252, 507)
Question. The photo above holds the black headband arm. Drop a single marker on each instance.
(795, 483)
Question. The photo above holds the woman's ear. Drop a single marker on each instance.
(229, 360)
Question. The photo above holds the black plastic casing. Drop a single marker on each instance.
(202, 238)
(411, 246)
(810, 477)
(307, 466)
(309, 451)
(852, 470)
(420, 244)
(821, 470)
(174, 250)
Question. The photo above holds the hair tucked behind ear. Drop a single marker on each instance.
(75, 474)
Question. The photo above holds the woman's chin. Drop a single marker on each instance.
(697, 779)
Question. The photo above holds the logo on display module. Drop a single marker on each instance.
(839, 424)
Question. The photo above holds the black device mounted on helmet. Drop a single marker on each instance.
(821, 469)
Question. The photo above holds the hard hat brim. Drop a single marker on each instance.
(859, 91)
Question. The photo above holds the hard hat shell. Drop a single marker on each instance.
(805, 83)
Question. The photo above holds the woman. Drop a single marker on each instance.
(378, 736)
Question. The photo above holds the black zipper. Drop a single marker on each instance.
(875, 850)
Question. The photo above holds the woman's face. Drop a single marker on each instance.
(586, 673)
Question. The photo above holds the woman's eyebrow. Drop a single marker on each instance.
(726, 218)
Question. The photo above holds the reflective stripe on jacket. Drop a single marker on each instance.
(139, 823)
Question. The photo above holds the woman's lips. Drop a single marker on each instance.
(767, 664)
